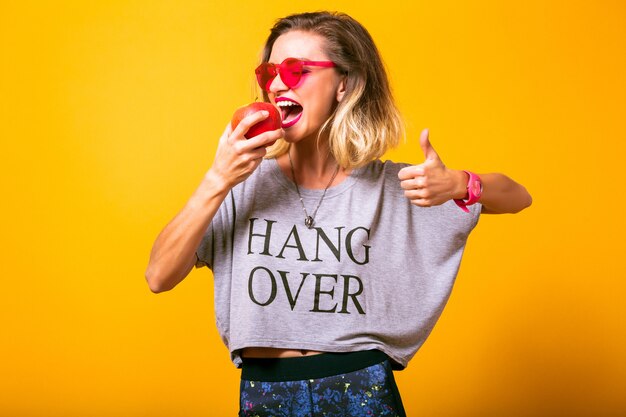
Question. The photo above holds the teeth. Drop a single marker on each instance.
(286, 104)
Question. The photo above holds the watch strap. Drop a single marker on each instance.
(474, 192)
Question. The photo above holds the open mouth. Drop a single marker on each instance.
(290, 111)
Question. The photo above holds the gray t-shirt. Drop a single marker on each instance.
(374, 272)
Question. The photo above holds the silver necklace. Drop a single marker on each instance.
(309, 220)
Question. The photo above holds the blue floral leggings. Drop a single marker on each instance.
(370, 391)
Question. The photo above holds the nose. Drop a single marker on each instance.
(277, 85)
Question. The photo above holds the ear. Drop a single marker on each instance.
(341, 89)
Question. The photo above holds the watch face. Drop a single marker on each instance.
(476, 188)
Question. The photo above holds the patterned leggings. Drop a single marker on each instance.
(268, 387)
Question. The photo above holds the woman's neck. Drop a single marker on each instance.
(313, 165)
(311, 159)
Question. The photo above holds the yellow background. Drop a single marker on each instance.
(110, 115)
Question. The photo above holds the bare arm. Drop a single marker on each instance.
(502, 195)
(174, 251)
(432, 183)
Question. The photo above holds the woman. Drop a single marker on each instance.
(331, 267)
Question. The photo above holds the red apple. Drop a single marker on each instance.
(272, 122)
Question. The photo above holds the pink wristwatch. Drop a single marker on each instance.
(474, 191)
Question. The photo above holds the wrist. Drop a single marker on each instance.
(216, 182)
(212, 186)
(474, 190)
(461, 181)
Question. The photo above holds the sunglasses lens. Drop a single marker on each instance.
(291, 72)
(265, 74)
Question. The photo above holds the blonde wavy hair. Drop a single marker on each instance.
(366, 123)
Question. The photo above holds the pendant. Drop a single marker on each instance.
(308, 222)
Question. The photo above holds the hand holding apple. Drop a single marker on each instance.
(272, 122)
(239, 152)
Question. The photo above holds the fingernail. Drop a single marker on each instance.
(265, 113)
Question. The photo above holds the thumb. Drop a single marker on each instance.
(427, 148)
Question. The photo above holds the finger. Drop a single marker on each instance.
(258, 153)
(411, 194)
(422, 202)
(421, 198)
(264, 139)
(413, 183)
(427, 147)
(228, 130)
(419, 193)
(247, 122)
(410, 172)
(252, 158)
(417, 198)
(407, 184)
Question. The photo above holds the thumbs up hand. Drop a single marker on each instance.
(431, 183)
